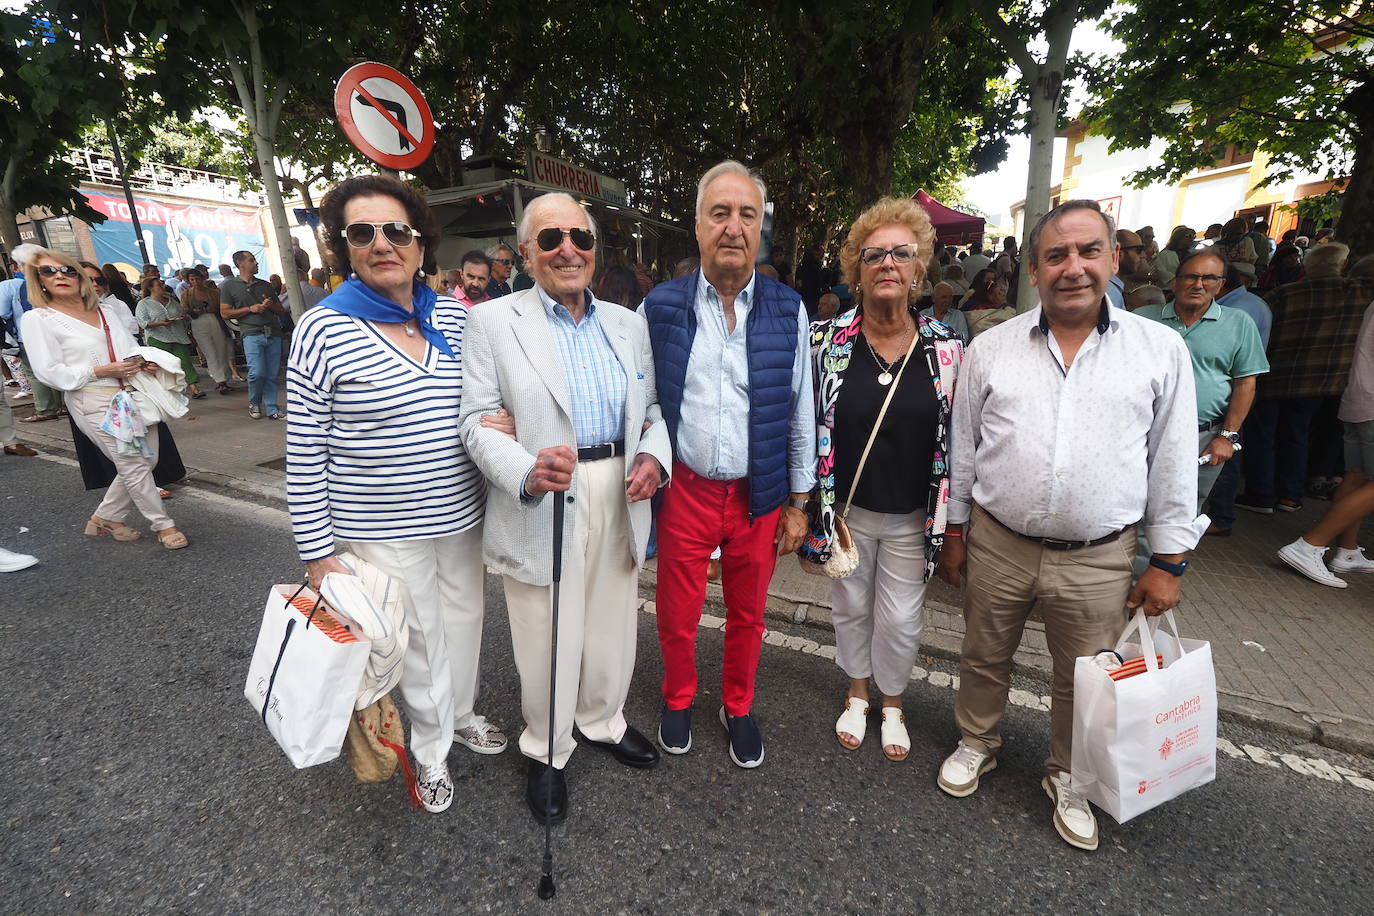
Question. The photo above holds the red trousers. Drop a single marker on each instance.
(696, 516)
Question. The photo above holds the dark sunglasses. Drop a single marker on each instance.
(551, 238)
(505, 261)
(900, 255)
(48, 270)
(361, 235)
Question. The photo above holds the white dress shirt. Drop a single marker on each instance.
(713, 433)
(1080, 453)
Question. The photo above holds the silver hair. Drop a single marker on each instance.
(937, 286)
(494, 249)
(522, 232)
(730, 167)
(1326, 259)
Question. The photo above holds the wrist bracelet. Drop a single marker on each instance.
(953, 534)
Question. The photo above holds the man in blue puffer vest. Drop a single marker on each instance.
(732, 357)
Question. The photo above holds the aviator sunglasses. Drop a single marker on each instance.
(900, 255)
(361, 235)
(48, 270)
(551, 238)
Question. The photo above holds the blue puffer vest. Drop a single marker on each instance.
(771, 330)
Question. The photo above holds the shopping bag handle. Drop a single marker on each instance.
(319, 597)
(1147, 627)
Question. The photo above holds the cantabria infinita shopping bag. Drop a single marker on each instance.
(305, 674)
(1145, 739)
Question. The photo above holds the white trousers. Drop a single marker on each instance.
(596, 623)
(213, 345)
(442, 596)
(133, 484)
(878, 612)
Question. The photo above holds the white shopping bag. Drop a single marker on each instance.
(305, 673)
(1150, 737)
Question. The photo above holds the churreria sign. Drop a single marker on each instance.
(1181, 711)
(548, 170)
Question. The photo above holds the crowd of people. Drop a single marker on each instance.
(887, 420)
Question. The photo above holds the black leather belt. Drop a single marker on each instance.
(1211, 424)
(1057, 543)
(597, 452)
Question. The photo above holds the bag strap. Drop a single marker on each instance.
(906, 359)
(109, 343)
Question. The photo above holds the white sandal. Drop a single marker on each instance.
(853, 721)
(894, 733)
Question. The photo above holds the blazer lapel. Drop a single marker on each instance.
(532, 331)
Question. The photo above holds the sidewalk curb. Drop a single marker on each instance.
(1351, 736)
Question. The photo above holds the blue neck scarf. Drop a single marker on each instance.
(354, 297)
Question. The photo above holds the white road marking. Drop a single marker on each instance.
(1311, 767)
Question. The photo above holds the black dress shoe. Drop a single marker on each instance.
(633, 750)
(546, 792)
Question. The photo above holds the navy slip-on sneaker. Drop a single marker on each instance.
(675, 730)
(746, 741)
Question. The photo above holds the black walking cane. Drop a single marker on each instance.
(546, 886)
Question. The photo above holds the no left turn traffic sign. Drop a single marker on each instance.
(384, 116)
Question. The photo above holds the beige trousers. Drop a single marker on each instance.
(1081, 596)
(133, 484)
(596, 623)
(213, 345)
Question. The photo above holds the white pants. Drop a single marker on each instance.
(213, 345)
(133, 484)
(596, 623)
(442, 596)
(878, 611)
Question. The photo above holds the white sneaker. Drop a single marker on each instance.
(1351, 561)
(1307, 560)
(436, 787)
(13, 562)
(481, 737)
(960, 772)
(1073, 818)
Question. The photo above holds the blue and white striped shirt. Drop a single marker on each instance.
(596, 380)
(372, 445)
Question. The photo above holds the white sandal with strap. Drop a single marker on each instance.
(853, 721)
(894, 733)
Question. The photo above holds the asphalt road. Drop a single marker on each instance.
(137, 779)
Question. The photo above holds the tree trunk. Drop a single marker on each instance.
(873, 166)
(303, 188)
(9, 218)
(1356, 225)
(1046, 82)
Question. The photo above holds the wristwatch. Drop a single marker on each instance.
(1230, 435)
(799, 503)
(1172, 568)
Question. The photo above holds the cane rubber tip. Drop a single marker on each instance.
(546, 888)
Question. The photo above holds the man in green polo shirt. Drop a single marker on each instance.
(1227, 356)
(252, 302)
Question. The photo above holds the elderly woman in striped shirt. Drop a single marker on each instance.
(375, 464)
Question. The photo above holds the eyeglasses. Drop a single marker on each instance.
(551, 238)
(507, 261)
(48, 270)
(362, 235)
(1195, 278)
(902, 254)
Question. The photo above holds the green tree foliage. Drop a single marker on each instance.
(1291, 77)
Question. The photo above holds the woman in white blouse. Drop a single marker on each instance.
(69, 338)
(164, 326)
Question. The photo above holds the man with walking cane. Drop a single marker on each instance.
(578, 376)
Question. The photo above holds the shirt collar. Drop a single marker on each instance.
(745, 296)
(1105, 320)
(559, 310)
(1212, 313)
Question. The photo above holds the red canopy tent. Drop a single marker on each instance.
(951, 226)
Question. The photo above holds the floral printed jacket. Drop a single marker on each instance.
(832, 347)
